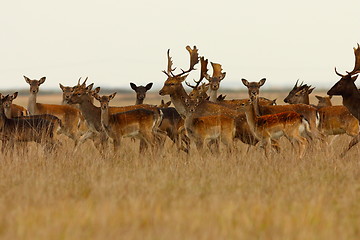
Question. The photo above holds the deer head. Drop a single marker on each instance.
(34, 84)
(104, 100)
(253, 87)
(217, 76)
(346, 86)
(7, 100)
(67, 90)
(173, 82)
(81, 94)
(164, 104)
(299, 94)
(140, 91)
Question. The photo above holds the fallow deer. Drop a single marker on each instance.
(271, 127)
(12, 110)
(346, 88)
(140, 123)
(204, 129)
(71, 117)
(140, 92)
(27, 129)
(307, 111)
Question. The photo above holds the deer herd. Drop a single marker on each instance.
(201, 119)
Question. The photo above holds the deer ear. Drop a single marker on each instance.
(262, 81)
(112, 95)
(168, 103)
(354, 78)
(310, 90)
(245, 82)
(61, 86)
(42, 80)
(96, 96)
(182, 78)
(88, 88)
(27, 79)
(97, 90)
(148, 86)
(15, 94)
(318, 97)
(223, 75)
(133, 86)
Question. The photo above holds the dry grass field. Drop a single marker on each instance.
(169, 195)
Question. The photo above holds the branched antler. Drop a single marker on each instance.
(194, 59)
(357, 61)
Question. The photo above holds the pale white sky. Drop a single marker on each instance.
(116, 42)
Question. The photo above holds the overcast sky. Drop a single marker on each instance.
(116, 42)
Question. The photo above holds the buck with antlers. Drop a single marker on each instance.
(140, 92)
(307, 111)
(71, 117)
(346, 88)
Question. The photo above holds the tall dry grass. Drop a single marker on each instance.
(81, 195)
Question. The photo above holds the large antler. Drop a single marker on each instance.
(194, 59)
(204, 68)
(217, 72)
(357, 61)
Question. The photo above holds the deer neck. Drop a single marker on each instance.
(251, 115)
(32, 103)
(178, 99)
(138, 101)
(213, 95)
(91, 113)
(7, 112)
(105, 118)
(351, 102)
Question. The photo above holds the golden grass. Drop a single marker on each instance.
(81, 195)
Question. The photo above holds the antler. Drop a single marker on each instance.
(196, 86)
(170, 63)
(217, 72)
(194, 59)
(204, 68)
(357, 61)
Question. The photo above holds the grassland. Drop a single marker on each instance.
(81, 195)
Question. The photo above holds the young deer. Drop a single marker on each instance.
(140, 123)
(12, 110)
(268, 127)
(323, 101)
(71, 117)
(346, 88)
(140, 92)
(26, 129)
